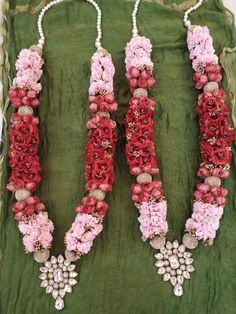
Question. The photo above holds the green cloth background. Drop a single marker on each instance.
(118, 275)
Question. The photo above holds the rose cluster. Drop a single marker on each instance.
(211, 194)
(27, 207)
(210, 73)
(140, 78)
(23, 153)
(22, 97)
(104, 103)
(147, 192)
(140, 149)
(99, 153)
(91, 205)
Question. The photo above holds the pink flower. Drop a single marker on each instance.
(153, 219)
(82, 233)
(37, 231)
(204, 221)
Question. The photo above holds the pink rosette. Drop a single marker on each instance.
(200, 45)
(153, 219)
(82, 233)
(28, 66)
(37, 232)
(102, 73)
(138, 53)
(205, 220)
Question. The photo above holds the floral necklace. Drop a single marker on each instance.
(57, 273)
(174, 262)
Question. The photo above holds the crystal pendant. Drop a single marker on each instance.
(174, 263)
(58, 277)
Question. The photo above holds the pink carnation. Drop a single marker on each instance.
(102, 72)
(37, 231)
(200, 45)
(153, 219)
(82, 233)
(204, 221)
(138, 53)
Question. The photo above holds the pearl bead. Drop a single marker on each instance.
(103, 114)
(140, 92)
(144, 178)
(22, 194)
(189, 241)
(98, 194)
(41, 257)
(25, 110)
(211, 87)
(157, 242)
(213, 181)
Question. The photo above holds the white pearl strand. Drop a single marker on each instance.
(41, 41)
(99, 22)
(134, 18)
(186, 21)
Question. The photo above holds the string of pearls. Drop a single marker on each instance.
(99, 23)
(41, 41)
(186, 21)
(134, 18)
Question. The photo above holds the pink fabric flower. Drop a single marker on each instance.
(204, 221)
(37, 231)
(102, 72)
(138, 53)
(28, 66)
(200, 45)
(153, 219)
(82, 233)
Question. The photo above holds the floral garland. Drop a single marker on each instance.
(29, 210)
(147, 194)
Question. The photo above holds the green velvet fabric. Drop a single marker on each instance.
(118, 275)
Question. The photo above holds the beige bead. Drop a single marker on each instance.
(103, 114)
(22, 194)
(211, 87)
(41, 257)
(36, 48)
(158, 242)
(144, 178)
(213, 181)
(71, 256)
(140, 92)
(98, 194)
(189, 241)
(25, 110)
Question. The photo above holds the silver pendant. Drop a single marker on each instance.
(174, 263)
(58, 277)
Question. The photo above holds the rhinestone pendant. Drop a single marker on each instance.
(58, 277)
(174, 263)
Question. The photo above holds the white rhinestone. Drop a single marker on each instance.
(53, 260)
(59, 304)
(159, 263)
(58, 275)
(43, 269)
(65, 280)
(65, 274)
(181, 248)
(163, 250)
(166, 277)
(169, 245)
(67, 263)
(186, 274)
(166, 256)
(188, 261)
(166, 262)
(161, 270)
(180, 254)
(174, 262)
(175, 244)
(44, 284)
(51, 282)
(55, 294)
(175, 251)
(64, 268)
(178, 290)
(49, 289)
(43, 276)
(190, 268)
(157, 242)
(180, 279)
(168, 269)
(61, 285)
(61, 265)
(159, 256)
(55, 285)
(60, 259)
(181, 260)
(62, 293)
(187, 254)
(72, 281)
(71, 267)
(169, 252)
(73, 274)
(68, 288)
(173, 281)
(48, 264)
(179, 272)
(182, 267)
(173, 272)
